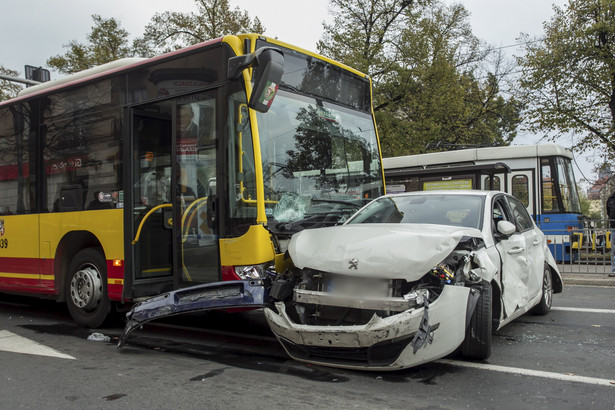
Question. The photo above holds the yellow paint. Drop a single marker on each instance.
(106, 225)
(252, 248)
(21, 235)
(20, 275)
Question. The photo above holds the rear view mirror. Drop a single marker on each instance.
(269, 67)
(506, 228)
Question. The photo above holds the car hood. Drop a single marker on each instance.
(388, 251)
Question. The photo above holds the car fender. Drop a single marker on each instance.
(558, 281)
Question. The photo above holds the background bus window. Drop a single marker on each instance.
(520, 189)
(567, 186)
(17, 176)
(549, 195)
(496, 184)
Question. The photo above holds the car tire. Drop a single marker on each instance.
(85, 288)
(477, 343)
(546, 301)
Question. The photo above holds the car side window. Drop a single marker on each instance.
(499, 212)
(521, 218)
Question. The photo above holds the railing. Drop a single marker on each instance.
(586, 250)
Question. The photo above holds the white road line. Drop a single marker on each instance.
(528, 372)
(583, 310)
(10, 342)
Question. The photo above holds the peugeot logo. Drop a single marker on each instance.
(353, 264)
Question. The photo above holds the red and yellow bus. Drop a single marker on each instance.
(147, 175)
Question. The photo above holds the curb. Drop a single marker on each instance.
(588, 280)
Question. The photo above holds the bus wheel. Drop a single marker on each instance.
(86, 288)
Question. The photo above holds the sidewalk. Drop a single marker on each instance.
(601, 279)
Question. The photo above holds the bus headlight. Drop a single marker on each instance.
(251, 271)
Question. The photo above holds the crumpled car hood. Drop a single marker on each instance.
(387, 251)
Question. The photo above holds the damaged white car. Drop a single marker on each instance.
(407, 279)
(410, 278)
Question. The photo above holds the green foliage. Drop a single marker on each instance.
(107, 41)
(568, 76)
(8, 89)
(432, 88)
(214, 18)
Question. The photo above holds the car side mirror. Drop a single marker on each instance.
(506, 228)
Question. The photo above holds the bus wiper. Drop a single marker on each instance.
(291, 88)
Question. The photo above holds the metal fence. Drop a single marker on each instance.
(583, 251)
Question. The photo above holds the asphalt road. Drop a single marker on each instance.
(565, 360)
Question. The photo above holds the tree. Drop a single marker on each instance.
(432, 85)
(363, 33)
(568, 76)
(8, 89)
(107, 41)
(214, 18)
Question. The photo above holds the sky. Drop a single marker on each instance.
(34, 30)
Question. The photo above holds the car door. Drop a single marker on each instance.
(533, 245)
(516, 265)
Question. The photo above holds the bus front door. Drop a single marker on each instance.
(174, 221)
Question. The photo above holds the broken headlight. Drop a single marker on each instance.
(252, 272)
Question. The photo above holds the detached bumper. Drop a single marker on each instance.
(381, 344)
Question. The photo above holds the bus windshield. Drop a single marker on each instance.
(559, 187)
(320, 161)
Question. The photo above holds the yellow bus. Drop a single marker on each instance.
(148, 175)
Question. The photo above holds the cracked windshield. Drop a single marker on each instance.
(320, 162)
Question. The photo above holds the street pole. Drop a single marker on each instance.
(18, 80)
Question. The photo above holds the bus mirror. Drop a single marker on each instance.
(269, 64)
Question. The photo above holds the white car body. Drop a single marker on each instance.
(385, 296)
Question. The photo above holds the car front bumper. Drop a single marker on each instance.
(388, 343)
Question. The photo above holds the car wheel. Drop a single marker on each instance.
(85, 288)
(477, 344)
(544, 306)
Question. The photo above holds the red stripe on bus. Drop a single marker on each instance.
(22, 289)
(19, 265)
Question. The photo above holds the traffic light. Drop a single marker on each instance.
(37, 74)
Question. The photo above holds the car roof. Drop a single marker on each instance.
(453, 192)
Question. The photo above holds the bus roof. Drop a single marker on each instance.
(103, 68)
(476, 154)
(100, 71)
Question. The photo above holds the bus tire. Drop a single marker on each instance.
(85, 288)
(477, 343)
(544, 306)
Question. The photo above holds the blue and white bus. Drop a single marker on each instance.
(540, 176)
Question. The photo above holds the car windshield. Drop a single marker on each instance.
(320, 161)
(454, 210)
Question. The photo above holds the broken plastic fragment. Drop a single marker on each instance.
(99, 337)
(419, 296)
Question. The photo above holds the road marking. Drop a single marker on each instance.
(583, 310)
(10, 342)
(528, 372)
